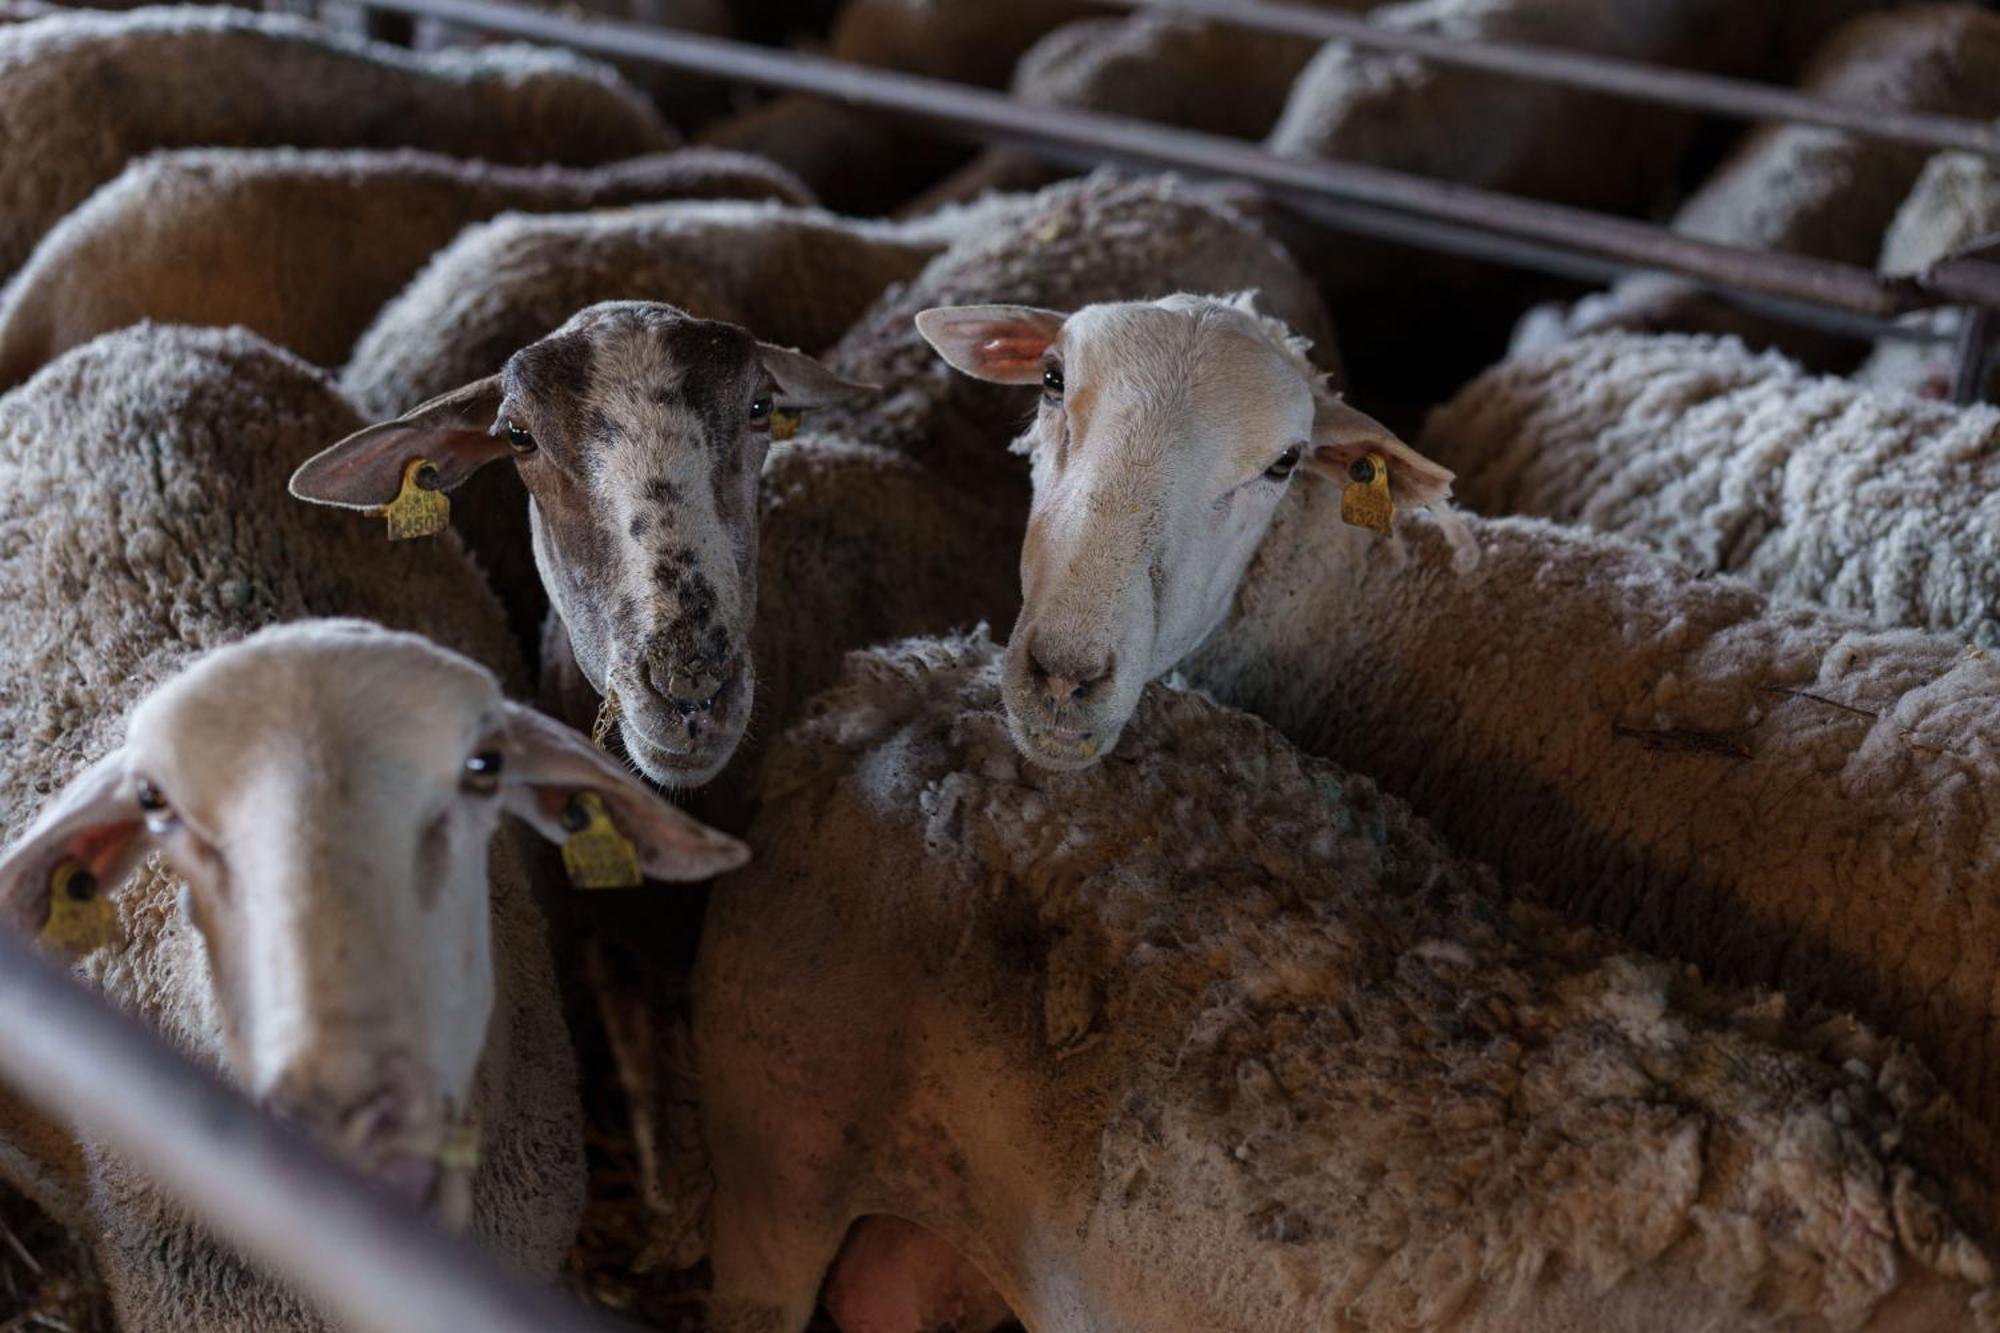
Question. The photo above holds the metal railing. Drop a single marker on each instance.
(370, 1263)
(1366, 200)
(380, 1269)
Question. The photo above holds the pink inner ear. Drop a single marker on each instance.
(1012, 351)
(100, 848)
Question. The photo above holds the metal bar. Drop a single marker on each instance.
(374, 1266)
(1620, 78)
(1969, 357)
(983, 114)
(1470, 243)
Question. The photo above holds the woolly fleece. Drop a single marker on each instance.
(1214, 1035)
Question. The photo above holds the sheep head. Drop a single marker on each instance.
(640, 433)
(1168, 432)
(325, 792)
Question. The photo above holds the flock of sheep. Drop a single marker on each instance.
(1273, 932)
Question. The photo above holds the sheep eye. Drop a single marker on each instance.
(1052, 381)
(482, 773)
(523, 442)
(1288, 460)
(760, 409)
(153, 801)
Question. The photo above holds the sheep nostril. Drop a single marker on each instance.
(1068, 684)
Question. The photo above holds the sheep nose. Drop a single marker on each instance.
(1066, 682)
(690, 687)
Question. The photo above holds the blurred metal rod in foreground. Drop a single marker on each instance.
(1390, 204)
(373, 1266)
(1631, 79)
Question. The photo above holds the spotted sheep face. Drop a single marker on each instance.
(1168, 432)
(325, 792)
(640, 433)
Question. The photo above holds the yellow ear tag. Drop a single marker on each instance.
(82, 917)
(596, 854)
(785, 424)
(419, 509)
(1366, 503)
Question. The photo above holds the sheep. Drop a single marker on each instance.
(1737, 463)
(266, 238)
(1103, 236)
(1955, 203)
(20, 11)
(146, 551)
(1808, 190)
(799, 276)
(863, 163)
(638, 433)
(1779, 793)
(216, 77)
(1222, 1037)
(1167, 68)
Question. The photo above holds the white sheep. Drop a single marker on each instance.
(1104, 236)
(281, 862)
(1806, 189)
(1737, 463)
(1778, 793)
(1955, 203)
(1220, 1037)
(301, 246)
(191, 76)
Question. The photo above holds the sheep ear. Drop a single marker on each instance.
(549, 766)
(1342, 435)
(56, 879)
(365, 470)
(1004, 344)
(804, 382)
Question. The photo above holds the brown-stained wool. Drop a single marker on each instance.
(863, 162)
(1737, 463)
(1213, 1034)
(83, 92)
(144, 519)
(302, 246)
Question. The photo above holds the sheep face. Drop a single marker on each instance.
(326, 792)
(1167, 434)
(639, 433)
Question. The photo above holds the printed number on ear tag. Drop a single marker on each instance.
(596, 854)
(419, 509)
(81, 917)
(1366, 503)
(785, 424)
